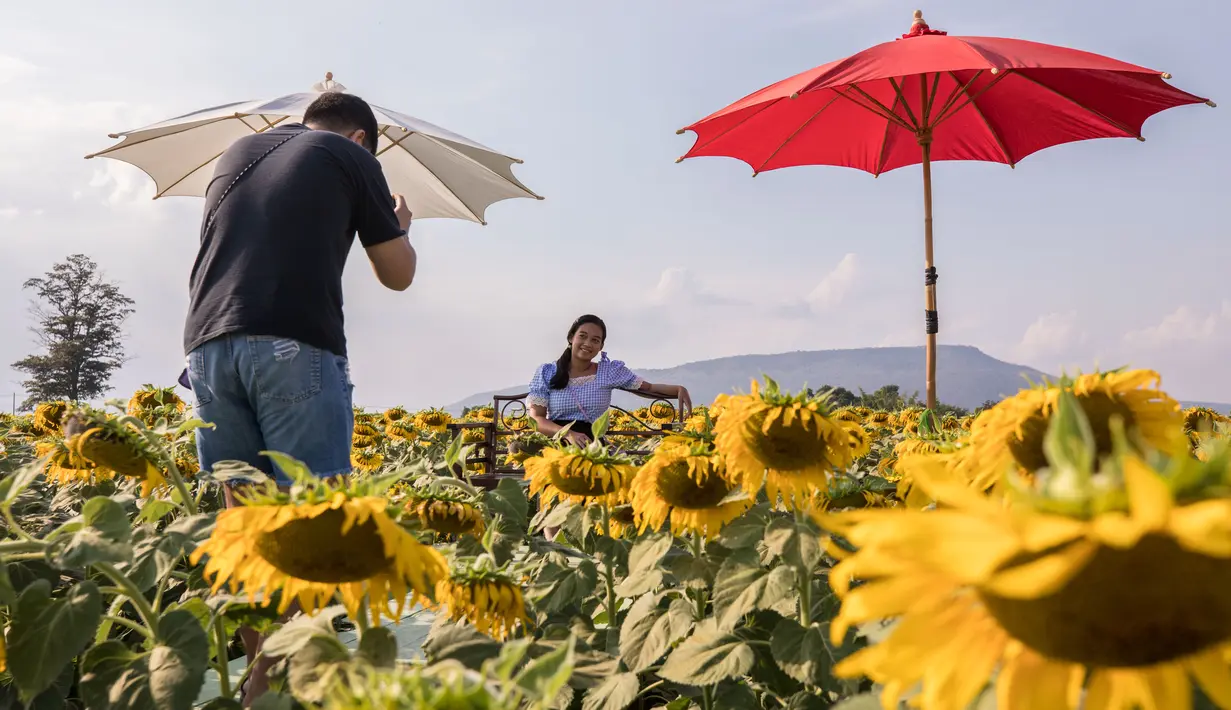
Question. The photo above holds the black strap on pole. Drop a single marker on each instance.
(931, 319)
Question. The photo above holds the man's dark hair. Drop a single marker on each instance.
(339, 112)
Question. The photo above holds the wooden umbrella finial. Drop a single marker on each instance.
(328, 76)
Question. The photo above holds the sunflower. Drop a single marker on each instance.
(523, 446)
(1009, 436)
(877, 420)
(687, 487)
(113, 445)
(394, 415)
(150, 402)
(446, 512)
(788, 443)
(522, 423)
(571, 474)
(367, 460)
(1202, 419)
(401, 431)
(325, 539)
(489, 598)
(434, 420)
(850, 492)
(485, 413)
(473, 435)
(847, 414)
(65, 468)
(48, 416)
(1123, 596)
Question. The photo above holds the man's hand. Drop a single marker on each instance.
(402, 211)
(578, 439)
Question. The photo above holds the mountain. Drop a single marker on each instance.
(965, 376)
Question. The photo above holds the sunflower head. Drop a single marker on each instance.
(320, 539)
(688, 487)
(877, 420)
(526, 445)
(367, 460)
(488, 597)
(150, 402)
(64, 467)
(401, 430)
(847, 414)
(485, 413)
(473, 435)
(1009, 436)
(577, 475)
(48, 416)
(434, 420)
(113, 444)
(446, 506)
(1202, 419)
(394, 414)
(788, 442)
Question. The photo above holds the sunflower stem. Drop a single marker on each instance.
(16, 546)
(177, 480)
(139, 602)
(609, 573)
(12, 523)
(220, 657)
(104, 629)
(129, 623)
(805, 584)
(362, 619)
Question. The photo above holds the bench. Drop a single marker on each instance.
(509, 410)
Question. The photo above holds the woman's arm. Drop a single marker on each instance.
(678, 391)
(546, 426)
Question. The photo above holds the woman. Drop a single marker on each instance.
(577, 390)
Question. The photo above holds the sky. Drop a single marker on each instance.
(1102, 253)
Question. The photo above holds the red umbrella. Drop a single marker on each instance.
(929, 96)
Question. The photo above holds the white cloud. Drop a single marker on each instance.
(14, 69)
(9, 212)
(121, 184)
(675, 284)
(1183, 325)
(836, 284)
(1051, 334)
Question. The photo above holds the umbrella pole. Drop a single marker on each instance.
(929, 273)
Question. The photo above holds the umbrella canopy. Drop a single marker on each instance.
(440, 173)
(929, 96)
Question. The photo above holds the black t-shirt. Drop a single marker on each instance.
(271, 261)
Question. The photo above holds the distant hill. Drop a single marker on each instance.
(965, 376)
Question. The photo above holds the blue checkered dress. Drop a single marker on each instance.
(585, 398)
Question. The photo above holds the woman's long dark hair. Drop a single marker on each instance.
(559, 380)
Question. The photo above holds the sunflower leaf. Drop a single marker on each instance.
(547, 675)
(746, 530)
(1069, 442)
(707, 657)
(508, 500)
(801, 653)
(299, 631)
(447, 640)
(734, 696)
(294, 469)
(796, 540)
(309, 671)
(743, 586)
(379, 646)
(615, 693)
(225, 471)
(45, 634)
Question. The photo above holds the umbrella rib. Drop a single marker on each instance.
(1110, 121)
(884, 151)
(959, 90)
(737, 124)
(794, 133)
(905, 104)
(188, 174)
(986, 124)
(515, 183)
(431, 172)
(194, 126)
(883, 111)
(971, 99)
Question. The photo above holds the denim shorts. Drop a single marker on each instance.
(264, 393)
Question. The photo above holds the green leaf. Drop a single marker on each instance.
(734, 696)
(805, 700)
(555, 516)
(864, 701)
(511, 655)
(191, 425)
(299, 631)
(294, 469)
(648, 630)
(694, 572)
(379, 646)
(796, 541)
(108, 517)
(746, 530)
(86, 547)
(1069, 442)
(14, 485)
(570, 587)
(45, 634)
(615, 693)
(708, 657)
(8, 593)
(168, 677)
(156, 553)
(309, 672)
(644, 570)
(801, 653)
(508, 500)
(447, 640)
(742, 586)
(154, 510)
(548, 674)
(54, 697)
(226, 471)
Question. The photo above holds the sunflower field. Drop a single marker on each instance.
(1066, 549)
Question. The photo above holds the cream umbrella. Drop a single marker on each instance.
(440, 173)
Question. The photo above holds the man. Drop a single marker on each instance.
(264, 335)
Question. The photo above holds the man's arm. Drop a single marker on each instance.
(394, 261)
